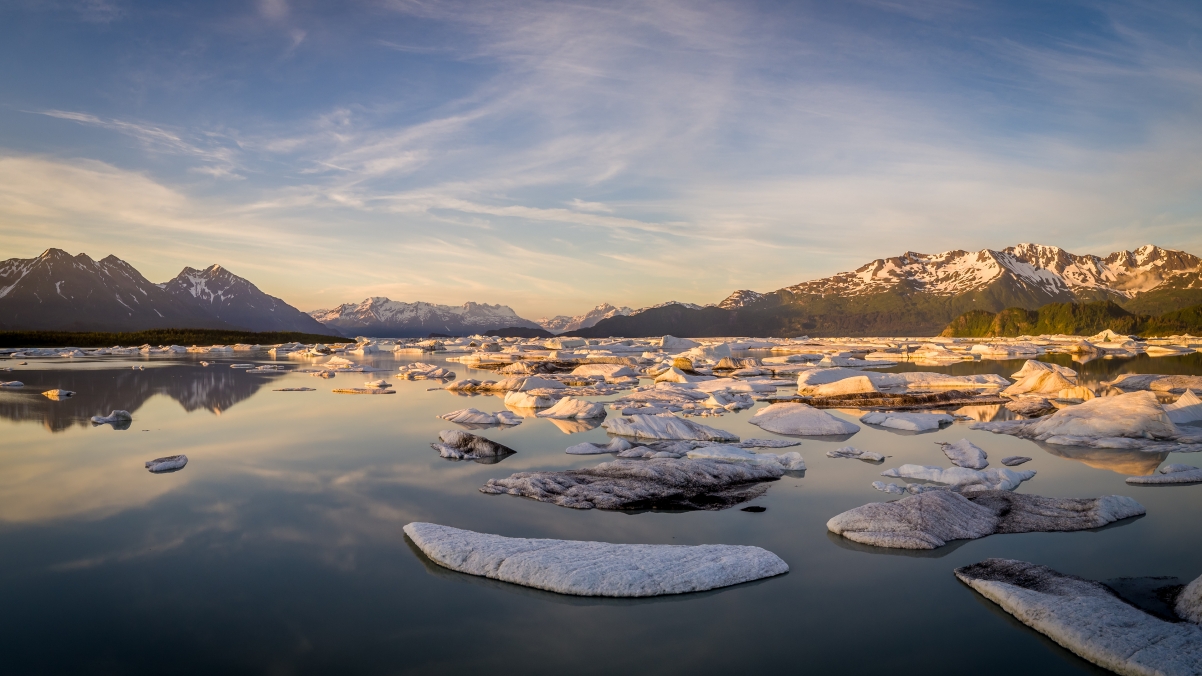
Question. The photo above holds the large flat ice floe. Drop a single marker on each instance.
(964, 453)
(594, 568)
(1169, 475)
(932, 519)
(791, 461)
(1128, 421)
(572, 408)
(170, 463)
(1088, 618)
(640, 484)
(665, 426)
(801, 420)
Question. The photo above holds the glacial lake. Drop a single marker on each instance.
(279, 549)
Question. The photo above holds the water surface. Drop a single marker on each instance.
(279, 549)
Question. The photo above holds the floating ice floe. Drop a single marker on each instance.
(471, 416)
(675, 375)
(518, 399)
(170, 463)
(1039, 382)
(1187, 408)
(961, 479)
(641, 484)
(913, 422)
(528, 383)
(323, 374)
(363, 390)
(809, 382)
(664, 427)
(1005, 350)
(791, 461)
(801, 420)
(1031, 406)
(420, 371)
(1127, 421)
(1014, 460)
(1169, 474)
(1089, 619)
(571, 408)
(853, 385)
(934, 518)
(1032, 367)
(594, 568)
(58, 394)
(604, 370)
(964, 453)
(114, 417)
(1158, 383)
(615, 445)
(11, 383)
(459, 445)
(294, 389)
(853, 452)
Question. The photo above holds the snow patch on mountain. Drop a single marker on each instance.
(384, 317)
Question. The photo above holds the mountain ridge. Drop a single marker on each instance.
(386, 318)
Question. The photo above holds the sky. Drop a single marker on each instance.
(555, 155)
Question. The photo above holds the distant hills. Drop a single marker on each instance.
(384, 318)
(1082, 319)
(60, 292)
(919, 294)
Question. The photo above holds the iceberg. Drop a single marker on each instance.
(934, 518)
(458, 445)
(594, 568)
(801, 420)
(1089, 619)
(1187, 408)
(572, 408)
(641, 484)
(519, 399)
(664, 426)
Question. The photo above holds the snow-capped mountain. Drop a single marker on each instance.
(238, 302)
(384, 318)
(740, 298)
(58, 291)
(562, 323)
(918, 294)
(1042, 270)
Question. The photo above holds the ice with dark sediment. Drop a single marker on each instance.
(1169, 475)
(169, 463)
(664, 427)
(637, 484)
(459, 445)
(1127, 421)
(934, 518)
(113, 417)
(964, 453)
(1014, 460)
(594, 568)
(1031, 406)
(1089, 619)
(911, 422)
(471, 416)
(853, 452)
(801, 420)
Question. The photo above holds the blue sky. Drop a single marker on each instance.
(555, 155)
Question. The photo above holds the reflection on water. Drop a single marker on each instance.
(987, 413)
(279, 548)
(1127, 462)
(98, 391)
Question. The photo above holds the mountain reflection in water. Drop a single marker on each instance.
(214, 389)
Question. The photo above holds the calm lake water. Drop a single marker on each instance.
(279, 549)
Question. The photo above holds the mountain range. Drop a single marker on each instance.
(918, 294)
(60, 292)
(384, 318)
(911, 294)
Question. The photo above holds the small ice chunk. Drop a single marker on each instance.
(964, 453)
(459, 445)
(471, 416)
(11, 383)
(963, 479)
(571, 407)
(615, 445)
(1014, 460)
(913, 422)
(853, 452)
(114, 417)
(295, 389)
(58, 394)
(889, 488)
(170, 463)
